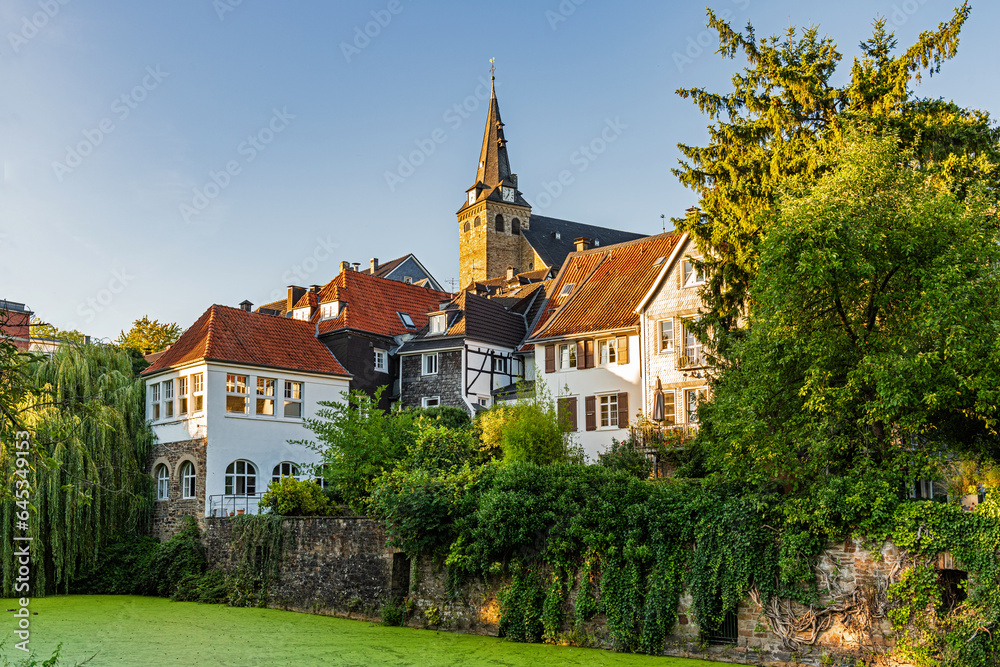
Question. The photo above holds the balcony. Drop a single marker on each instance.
(232, 505)
(660, 443)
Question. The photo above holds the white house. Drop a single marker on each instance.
(224, 401)
(587, 340)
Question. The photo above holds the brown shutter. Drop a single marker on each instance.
(623, 410)
(567, 413)
(581, 354)
(590, 354)
(590, 404)
(623, 349)
(550, 358)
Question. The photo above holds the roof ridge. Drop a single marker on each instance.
(209, 328)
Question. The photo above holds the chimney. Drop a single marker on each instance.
(294, 294)
(582, 243)
(345, 266)
(510, 273)
(245, 305)
(374, 264)
(314, 288)
(357, 265)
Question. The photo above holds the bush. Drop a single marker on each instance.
(213, 587)
(181, 556)
(446, 415)
(439, 447)
(623, 455)
(392, 614)
(527, 431)
(291, 497)
(124, 569)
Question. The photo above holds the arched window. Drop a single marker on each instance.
(188, 480)
(284, 469)
(162, 483)
(500, 225)
(241, 479)
(515, 227)
(468, 226)
(475, 223)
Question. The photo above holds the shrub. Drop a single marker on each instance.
(392, 614)
(528, 430)
(213, 586)
(446, 415)
(123, 568)
(181, 556)
(623, 455)
(291, 497)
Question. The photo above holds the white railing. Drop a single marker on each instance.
(232, 505)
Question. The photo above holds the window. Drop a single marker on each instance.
(293, 400)
(162, 483)
(429, 364)
(567, 356)
(284, 469)
(236, 394)
(430, 401)
(189, 483)
(692, 349)
(499, 224)
(300, 314)
(198, 391)
(241, 479)
(692, 398)
(381, 361)
(265, 397)
(499, 365)
(438, 323)
(666, 335)
(669, 408)
(468, 226)
(476, 221)
(407, 320)
(154, 401)
(329, 311)
(484, 402)
(567, 288)
(182, 396)
(608, 350)
(692, 274)
(659, 260)
(168, 399)
(408, 280)
(609, 411)
(515, 227)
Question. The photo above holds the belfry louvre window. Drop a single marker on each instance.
(500, 224)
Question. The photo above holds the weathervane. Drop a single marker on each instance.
(493, 69)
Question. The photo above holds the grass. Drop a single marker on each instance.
(129, 630)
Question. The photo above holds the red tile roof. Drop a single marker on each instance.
(373, 304)
(233, 335)
(607, 284)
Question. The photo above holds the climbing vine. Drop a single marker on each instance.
(257, 542)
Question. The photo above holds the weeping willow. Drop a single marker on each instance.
(88, 482)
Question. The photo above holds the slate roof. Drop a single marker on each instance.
(476, 318)
(606, 283)
(385, 268)
(374, 304)
(553, 251)
(232, 335)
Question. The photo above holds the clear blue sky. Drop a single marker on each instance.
(93, 226)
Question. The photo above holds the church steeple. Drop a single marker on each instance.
(494, 165)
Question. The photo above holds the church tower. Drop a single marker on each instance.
(494, 213)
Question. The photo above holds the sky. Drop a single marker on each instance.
(162, 157)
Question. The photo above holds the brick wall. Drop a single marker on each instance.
(331, 565)
(167, 514)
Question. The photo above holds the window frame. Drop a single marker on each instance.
(669, 404)
(279, 471)
(182, 396)
(381, 363)
(437, 324)
(605, 411)
(424, 359)
(611, 345)
(301, 314)
(691, 416)
(162, 482)
(691, 275)
(571, 361)
(666, 349)
(406, 320)
(329, 310)
(197, 392)
(235, 380)
(500, 365)
(168, 398)
(189, 478)
(249, 478)
(425, 401)
(154, 397)
(265, 397)
(694, 350)
(290, 398)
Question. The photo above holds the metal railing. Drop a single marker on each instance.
(232, 505)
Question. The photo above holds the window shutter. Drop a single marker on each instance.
(623, 349)
(590, 354)
(572, 414)
(581, 354)
(590, 405)
(567, 413)
(550, 358)
(623, 409)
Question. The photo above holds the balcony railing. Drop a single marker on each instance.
(657, 441)
(232, 505)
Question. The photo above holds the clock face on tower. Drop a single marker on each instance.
(472, 197)
(508, 194)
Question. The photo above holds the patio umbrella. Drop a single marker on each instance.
(658, 402)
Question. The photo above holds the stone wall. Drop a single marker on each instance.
(331, 565)
(446, 384)
(167, 514)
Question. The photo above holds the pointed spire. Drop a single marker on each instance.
(493, 163)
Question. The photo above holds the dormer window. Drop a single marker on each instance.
(407, 320)
(438, 324)
(329, 311)
(300, 314)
